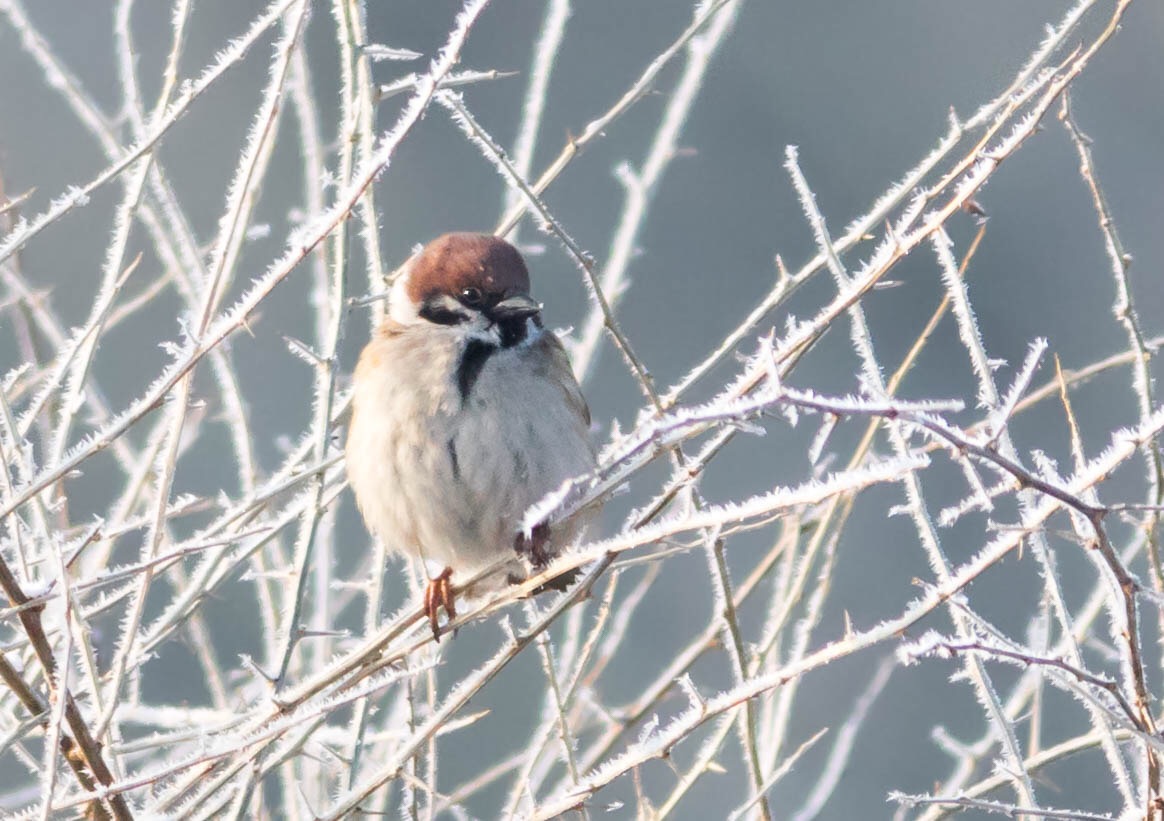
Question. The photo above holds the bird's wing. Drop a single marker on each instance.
(563, 374)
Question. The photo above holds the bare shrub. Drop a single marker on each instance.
(194, 624)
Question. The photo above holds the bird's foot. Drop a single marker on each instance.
(535, 548)
(438, 594)
(535, 545)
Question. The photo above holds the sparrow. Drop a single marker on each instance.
(465, 413)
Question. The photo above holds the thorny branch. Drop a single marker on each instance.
(337, 707)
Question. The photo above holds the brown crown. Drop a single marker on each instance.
(453, 262)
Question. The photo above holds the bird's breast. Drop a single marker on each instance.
(452, 440)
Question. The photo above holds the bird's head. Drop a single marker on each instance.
(476, 284)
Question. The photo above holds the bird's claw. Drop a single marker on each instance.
(535, 548)
(439, 594)
(535, 545)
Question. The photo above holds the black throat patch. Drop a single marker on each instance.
(513, 331)
(473, 359)
(477, 353)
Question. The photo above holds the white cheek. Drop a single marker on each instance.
(400, 308)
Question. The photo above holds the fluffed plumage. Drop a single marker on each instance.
(466, 412)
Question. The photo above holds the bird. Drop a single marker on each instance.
(465, 413)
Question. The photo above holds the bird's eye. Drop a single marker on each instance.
(471, 296)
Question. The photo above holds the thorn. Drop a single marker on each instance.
(973, 207)
(16, 202)
(304, 351)
(249, 663)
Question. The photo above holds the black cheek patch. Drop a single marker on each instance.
(440, 315)
(476, 354)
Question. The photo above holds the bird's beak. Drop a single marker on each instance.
(518, 306)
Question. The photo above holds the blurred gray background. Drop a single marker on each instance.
(864, 90)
